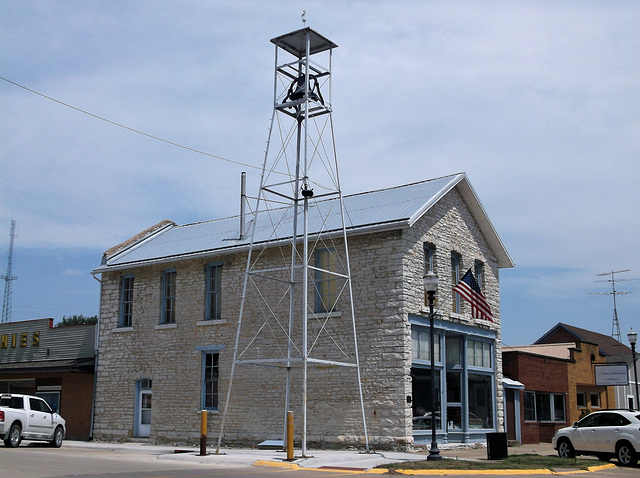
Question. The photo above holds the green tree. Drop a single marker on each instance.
(77, 320)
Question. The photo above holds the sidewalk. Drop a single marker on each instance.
(317, 459)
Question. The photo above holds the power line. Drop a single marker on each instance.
(130, 129)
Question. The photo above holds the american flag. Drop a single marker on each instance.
(469, 289)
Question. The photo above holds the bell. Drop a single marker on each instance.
(297, 89)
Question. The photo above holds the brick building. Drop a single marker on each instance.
(55, 363)
(559, 384)
(170, 301)
(544, 373)
(609, 352)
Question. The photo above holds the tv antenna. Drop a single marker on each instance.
(615, 326)
(8, 278)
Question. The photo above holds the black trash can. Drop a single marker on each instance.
(497, 446)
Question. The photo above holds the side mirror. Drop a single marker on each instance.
(575, 424)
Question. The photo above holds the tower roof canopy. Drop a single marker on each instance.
(296, 42)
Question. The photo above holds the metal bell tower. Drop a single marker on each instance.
(297, 311)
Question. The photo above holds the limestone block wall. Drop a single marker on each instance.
(167, 355)
(387, 269)
(450, 227)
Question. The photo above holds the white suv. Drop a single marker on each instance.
(605, 434)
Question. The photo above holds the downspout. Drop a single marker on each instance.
(95, 363)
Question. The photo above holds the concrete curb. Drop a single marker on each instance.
(381, 471)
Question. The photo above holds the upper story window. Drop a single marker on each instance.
(478, 272)
(429, 265)
(429, 257)
(326, 280)
(455, 277)
(126, 302)
(214, 291)
(168, 313)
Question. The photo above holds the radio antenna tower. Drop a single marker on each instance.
(8, 278)
(296, 317)
(615, 327)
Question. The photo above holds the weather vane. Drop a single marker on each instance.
(304, 17)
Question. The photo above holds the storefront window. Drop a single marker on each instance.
(421, 401)
(478, 353)
(453, 348)
(480, 401)
(421, 345)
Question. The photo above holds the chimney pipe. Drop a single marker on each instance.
(243, 201)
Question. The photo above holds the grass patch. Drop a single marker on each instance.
(515, 462)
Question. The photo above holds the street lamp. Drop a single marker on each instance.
(633, 338)
(430, 282)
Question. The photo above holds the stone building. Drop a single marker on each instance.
(170, 301)
(55, 363)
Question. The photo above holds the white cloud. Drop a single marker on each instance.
(537, 101)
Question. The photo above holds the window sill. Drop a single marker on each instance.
(211, 322)
(121, 330)
(324, 315)
(166, 326)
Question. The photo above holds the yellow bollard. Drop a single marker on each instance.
(203, 432)
(289, 436)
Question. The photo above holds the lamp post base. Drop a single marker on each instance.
(434, 453)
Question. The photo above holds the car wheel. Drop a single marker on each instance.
(57, 437)
(565, 449)
(626, 455)
(14, 436)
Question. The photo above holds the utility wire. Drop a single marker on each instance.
(128, 128)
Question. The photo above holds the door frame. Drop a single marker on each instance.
(143, 387)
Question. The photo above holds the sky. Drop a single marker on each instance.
(538, 102)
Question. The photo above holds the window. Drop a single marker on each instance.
(479, 273)
(529, 406)
(326, 281)
(455, 277)
(429, 265)
(558, 408)
(421, 398)
(595, 400)
(453, 344)
(126, 302)
(544, 407)
(421, 345)
(480, 398)
(478, 353)
(429, 257)
(39, 405)
(168, 297)
(214, 291)
(210, 381)
(581, 399)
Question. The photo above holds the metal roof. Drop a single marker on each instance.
(387, 208)
(296, 42)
